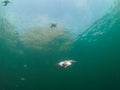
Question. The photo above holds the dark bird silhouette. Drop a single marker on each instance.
(53, 25)
(6, 2)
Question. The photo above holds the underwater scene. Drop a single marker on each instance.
(59, 44)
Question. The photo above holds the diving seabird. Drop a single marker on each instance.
(66, 63)
(53, 25)
(6, 2)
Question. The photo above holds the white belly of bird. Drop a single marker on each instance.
(68, 63)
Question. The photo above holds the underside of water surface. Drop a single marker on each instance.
(36, 35)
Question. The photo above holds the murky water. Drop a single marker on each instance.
(30, 49)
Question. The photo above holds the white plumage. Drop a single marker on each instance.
(66, 63)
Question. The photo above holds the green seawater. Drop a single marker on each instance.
(28, 61)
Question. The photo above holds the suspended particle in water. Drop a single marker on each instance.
(22, 79)
(25, 65)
